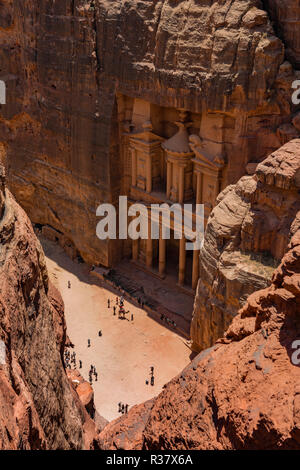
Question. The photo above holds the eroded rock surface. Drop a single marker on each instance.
(243, 393)
(39, 408)
(246, 236)
(71, 66)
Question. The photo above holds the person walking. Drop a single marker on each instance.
(69, 285)
(114, 309)
(80, 364)
(89, 343)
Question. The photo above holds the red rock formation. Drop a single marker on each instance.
(246, 236)
(39, 409)
(243, 393)
(286, 17)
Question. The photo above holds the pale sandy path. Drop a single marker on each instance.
(125, 352)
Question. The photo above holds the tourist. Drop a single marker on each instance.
(96, 376)
(89, 343)
(152, 380)
(69, 285)
(126, 409)
(108, 303)
(117, 300)
(114, 310)
(120, 407)
(100, 333)
(80, 364)
(132, 317)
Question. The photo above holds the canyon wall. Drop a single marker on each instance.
(39, 407)
(242, 393)
(286, 19)
(246, 236)
(69, 66)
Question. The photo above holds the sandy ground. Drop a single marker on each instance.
(126, 351)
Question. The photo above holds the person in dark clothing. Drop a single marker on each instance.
(89, 343)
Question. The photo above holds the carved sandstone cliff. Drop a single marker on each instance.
(246, 237)
(286, 17)
(39, 407)
(243, 393)
(74, 71)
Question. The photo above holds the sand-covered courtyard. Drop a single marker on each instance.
(126, 351)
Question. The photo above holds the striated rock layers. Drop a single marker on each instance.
(286, 17)
(243, 393)
(39, 407)
(246, 236)
(75, 71)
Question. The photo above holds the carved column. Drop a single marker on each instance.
(180, 184)
(148, 174)
(182, 261)
(198, 188)
(149, 247)
(179, 163)
(209, 170)
(146, 159)
(195, 276)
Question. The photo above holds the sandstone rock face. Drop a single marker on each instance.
(246, 237)
(69, 66)
(286, 16)
(243, 393)
(39, 409)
